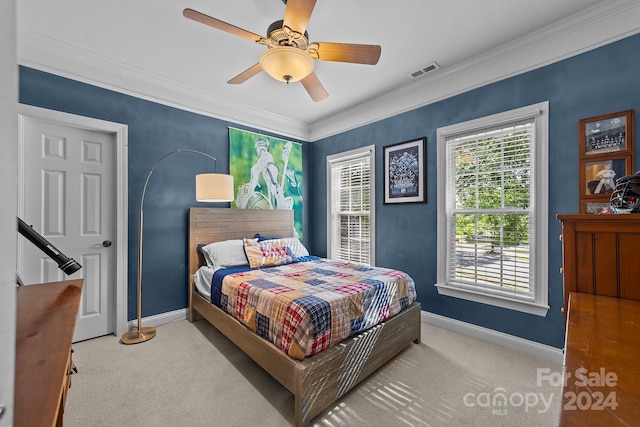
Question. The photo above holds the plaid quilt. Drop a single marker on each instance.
(306, 307)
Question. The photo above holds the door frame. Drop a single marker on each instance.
(120, 131)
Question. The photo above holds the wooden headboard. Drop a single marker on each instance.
(208, 225)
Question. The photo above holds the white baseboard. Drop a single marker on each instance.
(531, 348)
(160, 319)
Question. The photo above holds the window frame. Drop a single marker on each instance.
(539, 174)
(363, 152)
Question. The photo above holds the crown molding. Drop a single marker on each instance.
(592, 28)
(50, 55)
(599, 25)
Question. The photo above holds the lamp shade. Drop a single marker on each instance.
(214, 187)
(287, 63)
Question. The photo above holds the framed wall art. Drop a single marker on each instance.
(267, 173)
(404, 172)
(600, 176)
(597, 208)
(610, 133)
(606, 154)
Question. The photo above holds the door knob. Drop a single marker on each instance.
(104, 244)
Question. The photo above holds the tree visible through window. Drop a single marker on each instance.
(494, 191)
(492, 207)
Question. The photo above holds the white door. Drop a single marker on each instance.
(69, 197)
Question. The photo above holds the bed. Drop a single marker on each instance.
(317, 381)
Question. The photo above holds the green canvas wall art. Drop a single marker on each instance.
(267, 173)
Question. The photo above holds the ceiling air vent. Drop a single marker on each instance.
(424, 70)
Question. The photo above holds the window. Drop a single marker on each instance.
(493, 210)
(351, 205)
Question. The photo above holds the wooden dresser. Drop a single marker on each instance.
(601, 255)
(601, 267)
(601, 384)
(46, 319)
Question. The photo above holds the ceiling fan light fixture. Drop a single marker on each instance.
(287, 63)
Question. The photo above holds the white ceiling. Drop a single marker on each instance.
(148, 49)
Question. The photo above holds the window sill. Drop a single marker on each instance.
(496, 300)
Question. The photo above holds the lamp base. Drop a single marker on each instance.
(134, 336)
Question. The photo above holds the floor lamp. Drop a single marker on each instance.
(210, 187)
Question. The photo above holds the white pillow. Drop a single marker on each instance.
(228, 253)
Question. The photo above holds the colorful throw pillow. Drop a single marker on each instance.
(296, 246)
(268, 253)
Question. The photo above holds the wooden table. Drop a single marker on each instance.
(602, 362)
(46, 319)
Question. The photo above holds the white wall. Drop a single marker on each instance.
(8, 205)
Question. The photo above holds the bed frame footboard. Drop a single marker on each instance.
(325, 377)
(320, 380)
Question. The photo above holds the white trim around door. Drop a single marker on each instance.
(120, 131)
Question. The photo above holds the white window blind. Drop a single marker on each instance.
(493, 209)
(350, 228)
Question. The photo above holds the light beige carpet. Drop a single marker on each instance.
(191, 375)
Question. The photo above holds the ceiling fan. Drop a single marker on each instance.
(290, 57)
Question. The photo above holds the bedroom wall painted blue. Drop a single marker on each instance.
(598, 82)
(153, 130)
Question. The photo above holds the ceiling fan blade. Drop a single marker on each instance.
(344, 52)
(314, 87)
(245, 75)
(297, 14)
(220, 25)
